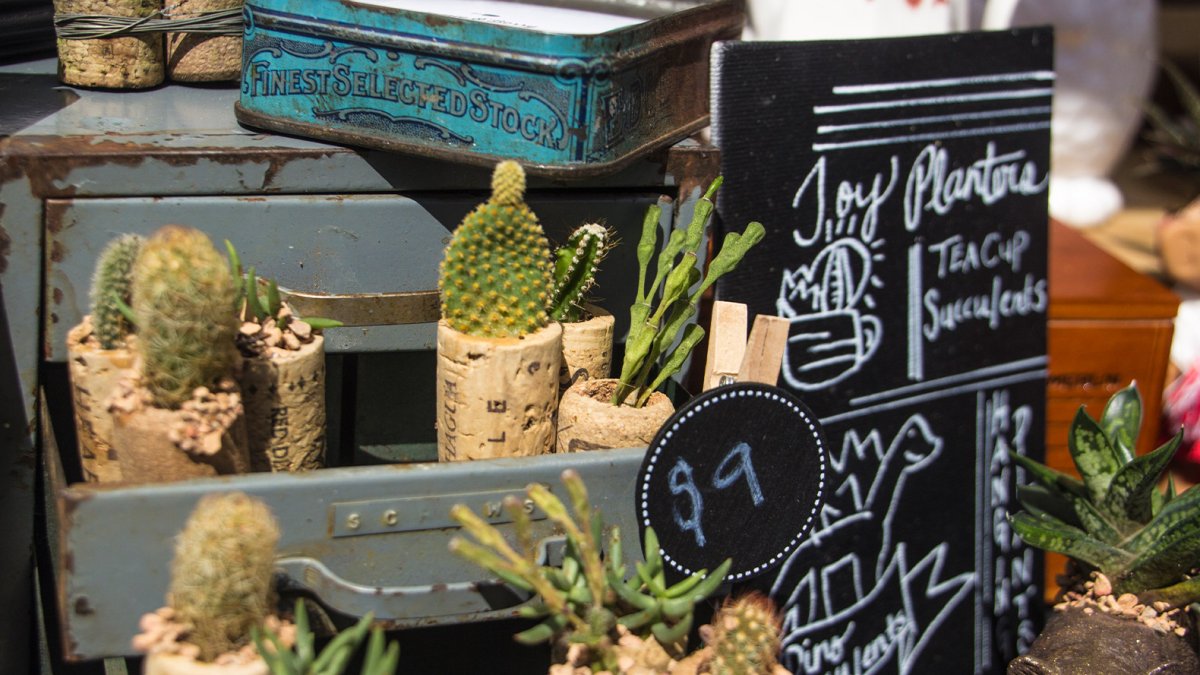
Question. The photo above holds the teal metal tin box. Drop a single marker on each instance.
(568, 88)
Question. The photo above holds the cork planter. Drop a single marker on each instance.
(587, 420)
(194, 57)
(203, 438)
(496, 397)
(587, 345)
(182, 664)
(283, 391)
(132, 62)
(95, 373)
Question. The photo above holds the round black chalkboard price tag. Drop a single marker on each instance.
(738, 472)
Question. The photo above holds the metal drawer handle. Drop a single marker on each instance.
(367, 309)
(400, 604)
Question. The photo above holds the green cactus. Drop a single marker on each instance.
(584, 600)
(221, 576)
(657, 321)
(249, 304)
(575, 265)
(496, 275)
(111, 292)
(182, 295)
(303, 659)
(745, 637)
(1116, 520)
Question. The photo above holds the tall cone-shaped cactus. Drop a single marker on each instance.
(222, 573)
(575, 265)
(496, 275)
(112, 288)
(183, 299)
(1116, 520)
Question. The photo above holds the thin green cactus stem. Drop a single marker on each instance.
(112, 290)
(496, 276)
(182, 295)
(660, 333)
(575, 265)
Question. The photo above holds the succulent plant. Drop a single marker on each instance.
(745, 637)
(111, 290)
(575, 265)
(222, 573)
(182, 294)
(584, 600)
(1116, 520)
(303, 659)
(249, 304)
(496, 275)
(656, 321)
(1174, 142)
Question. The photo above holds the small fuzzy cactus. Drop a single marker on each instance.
(111, 290)
(496, 275)
(745, 637)
(221, 577)
(182, 298)
(575, 265)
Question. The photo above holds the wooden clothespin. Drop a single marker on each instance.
(733, 357)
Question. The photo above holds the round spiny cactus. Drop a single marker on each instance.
(745, 637)
(496, 276)
(182, 295)
(221, 577)
(111, 283)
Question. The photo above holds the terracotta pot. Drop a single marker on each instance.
(178, 664)
(133, 62)
(284, 395)
(1100, 644)
(496, 396)
(148, 454)
(588, 421)
(194, 57)
(94, 374)
(587, 345)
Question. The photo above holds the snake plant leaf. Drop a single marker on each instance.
(1130, 495)
(1122, 419)
(1181, 509)
(1040, 500)
(1181, 594)
(1094, 455)
(1159, 500)
(1178, 550)
(1173, 546)
(1059, 537)
(1094, 521)
(1055, 480)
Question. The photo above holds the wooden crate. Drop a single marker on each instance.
(1108, 325)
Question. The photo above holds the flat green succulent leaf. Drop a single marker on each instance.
(1181, 510)
(1041, 500)
(543, 632)
(1167, 553)
(1095, 522)
(1055, 480)
(1095, 457)
(669, 635)
(1052, 535)
(1181, 594)
(1122, 420)
(1131, 493)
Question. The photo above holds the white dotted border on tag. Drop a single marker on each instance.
(737, 393)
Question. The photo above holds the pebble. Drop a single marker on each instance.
(1101, 586)
(301, 329)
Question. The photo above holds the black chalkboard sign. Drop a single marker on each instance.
(903, 185)
(739, 472)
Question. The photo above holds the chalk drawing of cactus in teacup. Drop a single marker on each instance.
(831, 337)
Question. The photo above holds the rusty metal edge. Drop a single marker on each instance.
(367, 309)
(576, 171)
